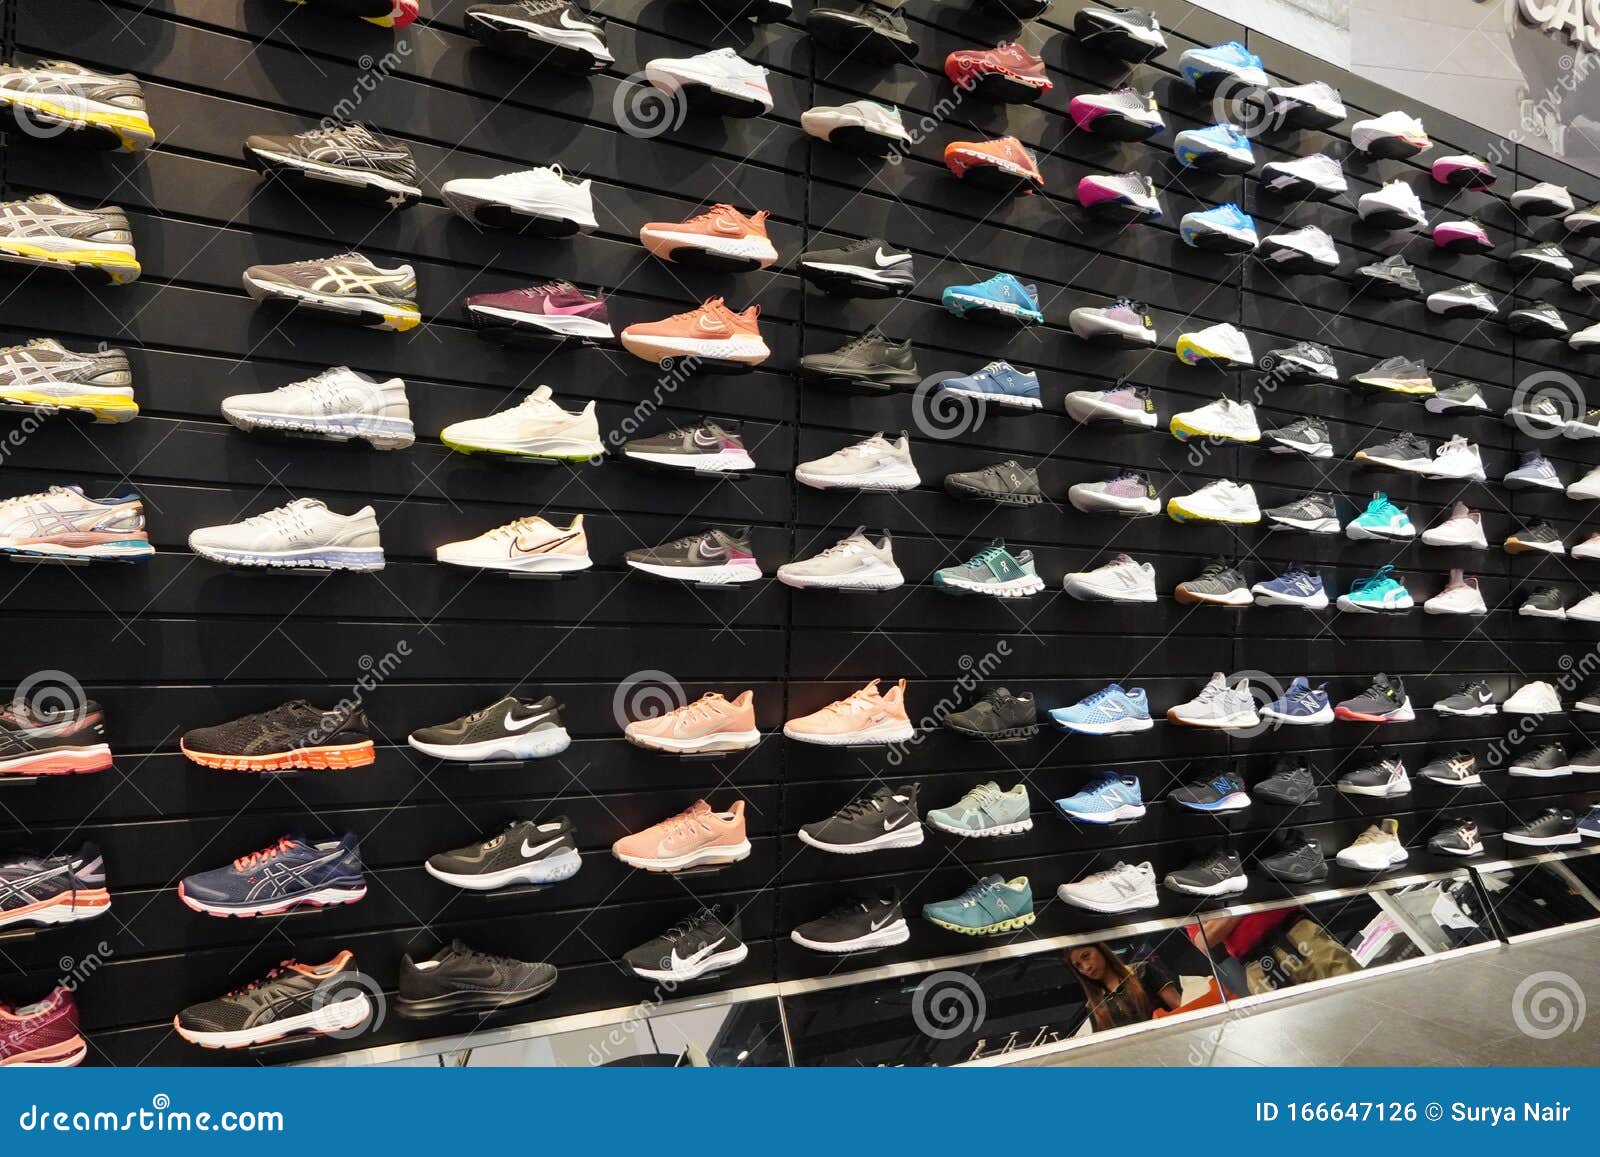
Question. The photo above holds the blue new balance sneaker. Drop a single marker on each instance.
(1589, 825)
(290, 873)
(1224, 228)
(1215, 149)
(1109, 711)
(998, 382)
(993, 904)
(1295, 587)
(1110, 798)
(1209, 66)
(1302, 705)
(1001, 298)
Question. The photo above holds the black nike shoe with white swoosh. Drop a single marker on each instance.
(859, 924)
(551, 33)
(458, 979)
(710, 446)
(885, 819)
(508, 728)
(524, 852)
(705, 941)
(867, 268)
(343, 157)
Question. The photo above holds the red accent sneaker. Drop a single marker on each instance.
(43, 1035)
(1009, 74)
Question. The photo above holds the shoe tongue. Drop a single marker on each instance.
(1123, 559)
(541, 394)
(1218, 679)
(308, 504)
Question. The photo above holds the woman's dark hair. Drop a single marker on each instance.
(1130, 993)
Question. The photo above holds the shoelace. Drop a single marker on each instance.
(988, 556)
(246, 862)
(1377, 578)
(976, 892)
(850, 545)
(700, 709)
(685, 823)
(261, 981)
(856, 808)
(687, 925)
(21, 498)
(982, 795)
(513, 529)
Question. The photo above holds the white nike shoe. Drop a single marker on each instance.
(545, 197)
(727, 83)
(529, 545)
(1394, 206)
(534, 428)
(862, 125)
(875, 463)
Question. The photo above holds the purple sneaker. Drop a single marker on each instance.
(558, 309)
(1125, 323)
(1130, 405)
(1130, 494)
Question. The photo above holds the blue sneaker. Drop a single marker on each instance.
(1378, 591)
(1295, 587)
(1226, 228)
(1001, 298)
(290, 873)
(1381, 519)
(993, 904)
(1589, 825)
(1110, 798)
(1001, 383)
(1215, 149)
(1536, 471)
(1109, 711)
(1209, 66)
(1301, 705)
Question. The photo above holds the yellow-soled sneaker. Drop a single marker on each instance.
(46, 377)
(1223, 420)
(43, 230)
(53, 94)
(348, 285)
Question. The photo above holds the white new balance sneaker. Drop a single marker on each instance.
(1219, 501)
(1394, 206)
(1121, 888)
(1535, 698)
(1122, 580)
(338, 404)
(1216, 343)
(1223, 419)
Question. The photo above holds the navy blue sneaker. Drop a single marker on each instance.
(290, 873)
(1295, 587)
(998, 382)
(1301, 704)
(1589, 825)
(1001, 298)
(1220, 793)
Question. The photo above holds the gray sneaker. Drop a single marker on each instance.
(985, 811)
(339, 404)
(347, 284)
(875, 463)
(854, 563)
(305, 533)
(59, 94)
(43, 230)
(45, 376)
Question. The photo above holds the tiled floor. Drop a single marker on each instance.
(1463, 1011)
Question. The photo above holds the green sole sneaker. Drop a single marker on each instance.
(464, 448)
(1016, 923)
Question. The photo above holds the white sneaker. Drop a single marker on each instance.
(1464, 527)
(1549, 199)
(859, 122)
(1317, 95)
(1586, 338)
(1457, 458)
(1219, 705)
(1396, 134)
(1221, 342)
(534, 428)
(1460, 597)
(1584, 427)
(529, 545)
(1588, 548)
(875, 463)
(1122, 580)
(339, 404)
(305, 533)
(1319, 173)
(1586, 609)
(1300, 247)
(1394, 206)
(1123, 888)
(1221, 419)
(1219, 501)
(1535, 698)
(722, 71)
(853, 563)
(1375, 849)
(545, 193)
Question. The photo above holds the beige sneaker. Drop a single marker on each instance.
(530, 545)
(710, 723)
(865, 717)
(695, 836)
(1375, 849)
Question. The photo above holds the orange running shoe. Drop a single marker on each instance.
(295, 736)
(865, 717)
(721, 239)
(713, 333)
(710, 723)
(1005, 163)
(695, 836)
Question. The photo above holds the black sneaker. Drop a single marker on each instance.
(1218, 873)
(1291, 784)
(885, 819)
(552, 34)
(1472, 698)
(1554, 828)
(1585, 762)
(870, 31)
(1385, 777)
(1308, 436)
(1541, 261)
(1306, 361)
(1385, 701)
(349, 158)
(524, 852)
(1296, 858)
(295, 736)
(1005, 484)
(860, 924)
(509, 728)
(1459, 769)
(1457, 838)
(42, 738)
(1541, 536)
(456, 980)
(291, 999)
(1464, 397)
(703, 942)
(998, 715)
(1390, 278)
(713, 556)
(1220, 583)
(1405, 451)
(1313, 514)
(1545, 603)
(1548, 761)
(1130, 34)
(1469, 299)
(1397, 375)
(1538, 320)
(867, 268)
(869, 362)
(1220, 793)
(711, 446)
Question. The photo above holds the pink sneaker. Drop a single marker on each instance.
(1464, 236)
(710, 723)
(865, 717)
(1463, 172)
(43, 1035)
(695, 836)
(558, 309)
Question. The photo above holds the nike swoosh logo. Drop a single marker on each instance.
(884, 260)
(544, 547)
(511, 724)
(694, 958)
(567, 21)
(876, 924)
(890, 825)
(529, 853)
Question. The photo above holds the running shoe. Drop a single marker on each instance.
(1463, 235)
(1009, 73)
(1535, 697)
(993, 571)
(1123, 115)
(1295, 858)
(1403, 451)
(1220, 148)
(1457, 459)
(1315, 178)
(711, 446)
(349, 286)
(714, 556)
(1463, 171)
(292, 873)
(1130, 494)
(1391, 278)
(1381, 519)
(708, 940)
(1112, 710)
(1109, 798)
(535, 427)
(871, 362)
(1384, 701)
(695, 836)
(1302, 705)
(1546, 761)
(528, 852)
(867, 716)
(1224, 420)
(1225, 228)
(1303, 362)
(1291, 784)
(1385, 778)
(1001, 298)
(1219, 501)
(1307, 436)
(303, 533)
(1464, 397)
(992, 905)
(1124, 323)
(709, 723)
(1004, 163)
(1545, 199)
(291, 999)
(1120, 198)
(1457, 838)
(887, 818)
(859, 924)
(349, 158)
(1541, 261)
(293, 736)
(507, 729)
(1220, 582)
(1468, 299)
(458, 981)
(338, 404)
(1206, 68)
(998, 382)
(998, 716)
(1225, 792)
(1131, 34)
(558, 310)
(544, 201)
(41, 738)
(1535, 472)
(720, 240)
(525, 545)
(712, 335)
(1223, 345)
(1376, 849)
(1004, 483)
(1119, 888)
(874, 463)
(861, 126)
(1540, 537)
(1220, 704)
(857, 562)
(1121, 580)
(863, 29)
(1313, 514)
(1397, 375)
(1458, 769)
(1218, 873)
(1544, 603)
(43, 230)
(1394, 205)
(54, 889)
(1473, 697)
(65, 523)
(42, 1035)
(552, 34)
(1127, 404)
(985, 810)
(52, 95)
(1307, 250)
(869, 268)
(1461, 526)
(1544, 320)
(1392, 136)
(1377, 592)
(719, 82)
(44, 377)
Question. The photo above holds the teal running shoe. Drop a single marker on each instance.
(993, 571)
(985, 811)
(1001, 298)
(1381, 519)
(1379, 591)
(992, 905)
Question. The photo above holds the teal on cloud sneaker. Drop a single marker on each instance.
(991, 905)
(993, 571)
(985, 811)
(1001, 298)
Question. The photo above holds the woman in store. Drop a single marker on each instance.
(1118, 993)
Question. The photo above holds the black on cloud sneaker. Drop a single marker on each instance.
(552, 33)
(859, 924)
(711, 446)
(1005, 484)
(868, 268)
(998, 715)
(1457, 838)
(704, 941)
(1553, 828)
(508, 728)
(1296, 858)
(870, 362)
(524, 852)
(885, 819)
(342, 157)
(456, 980)
(291, 999)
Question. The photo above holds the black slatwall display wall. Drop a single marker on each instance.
(178, 643)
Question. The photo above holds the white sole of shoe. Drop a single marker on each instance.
(1390, 860)
(908, 835)
(722, 854)
(748, 350)
(567, 325)
(876, 480)
(1010, 829)
(382, 433)
(722, 462)
(691, 970)
(528, 745)
(550, 870)
(344, 1014)
(1124, 726)
(1090, 593)
(1316, 602)
(1317, 720)
(716, 741)
(1017, 588)
(1117, 815)
(877, 578)
(888, 936)
(1094, 410)
(530, 564)
(466, 204)
(1134, 904)
(665, 242)
(715, 575)
(885, 733)
(1229, 887)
